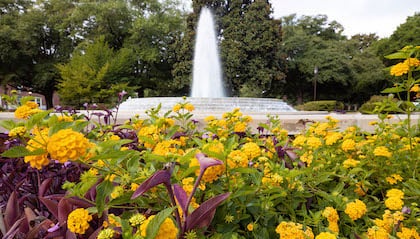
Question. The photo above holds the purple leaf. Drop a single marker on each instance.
(161, 176)
(77, 202)
(203, 215)
(29, 214)
(41, 227)
(51, 205)
(70, 235)
(45, 185)
(206, 162)
(292, 155)
(181, 196)
(64, 209)
(12, 212)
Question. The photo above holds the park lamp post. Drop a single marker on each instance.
(315, 79)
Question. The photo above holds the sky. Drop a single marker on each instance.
(357, 16)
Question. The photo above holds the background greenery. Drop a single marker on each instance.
(88, 50)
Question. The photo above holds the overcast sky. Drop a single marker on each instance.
(357, 16)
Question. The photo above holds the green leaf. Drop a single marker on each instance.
(397, 55)
(245, 170)
(79, 126)
(103, 190)
(37, 118)
(21, 151)
(59, 126)
(154, 225)
(8, 124)
(393, 90)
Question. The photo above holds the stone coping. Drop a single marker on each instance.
(294, 122)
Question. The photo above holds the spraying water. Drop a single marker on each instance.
(207, 74)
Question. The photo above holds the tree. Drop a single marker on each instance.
(95, 74)
(406, 34)
(250, 49)
(154, 37)
(35, 39)
(347, 70)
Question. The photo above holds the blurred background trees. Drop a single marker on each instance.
(145, 47)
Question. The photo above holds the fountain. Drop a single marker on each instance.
(207, 94)
(207, 74)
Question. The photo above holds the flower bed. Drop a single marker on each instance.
(67, 176)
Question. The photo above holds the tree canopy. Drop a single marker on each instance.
(146, 46)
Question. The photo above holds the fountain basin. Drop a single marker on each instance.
(209, 105)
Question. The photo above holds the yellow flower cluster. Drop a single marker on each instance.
(332, 138)
(394, 179)
(356, 209)
(361, 189)
(167, 229)
(106, 233)
(187, 106)
(332, 216)
(394, 199)
(211, 174)
(299, 141)
(250, 227)
(291, 230)
(78, 221)
(237, 159)
(377, 233)
(117, 192)
(114, 220)
(167, 147)
(389, 220)
(313, 142)
(350, 163)
(382, 151)
(416, 89)
(326, 235)
(38, 141)
(348, 145)
(67, 144)
(239, 127)
(137, 219)
(150, 132)
(307, 157)
(17, 132)
(407, 233)
(65, 118)
(252, 150)
(26, 110)
(403, 67)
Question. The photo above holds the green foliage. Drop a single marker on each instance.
(95, 74)
(321, 105)
(344, 66)
(153, 228)
(250, 50)
(373, 103)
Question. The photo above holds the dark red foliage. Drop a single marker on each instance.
(26, 194)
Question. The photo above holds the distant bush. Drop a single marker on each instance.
(369, 106)
(321, 105)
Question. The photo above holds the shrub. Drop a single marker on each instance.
(322, 105)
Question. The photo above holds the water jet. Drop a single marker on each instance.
(207, 88)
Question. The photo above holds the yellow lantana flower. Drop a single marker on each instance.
(167, 229)
(67, 144)
(382, 151)
(28, 109)
(78, 221)
(356, 209)
(326, 235)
